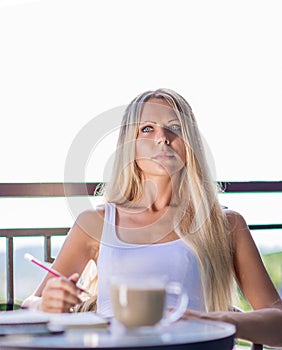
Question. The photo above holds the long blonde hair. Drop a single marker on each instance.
(202, 222)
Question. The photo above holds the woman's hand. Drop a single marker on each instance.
(60, 294)
(260, 326)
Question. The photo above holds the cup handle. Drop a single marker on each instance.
(181, 306)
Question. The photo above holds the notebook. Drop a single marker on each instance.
(38, 322)
(79, 319)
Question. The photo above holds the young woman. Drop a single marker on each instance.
(161, 216)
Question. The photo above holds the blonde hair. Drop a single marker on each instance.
(202, 222)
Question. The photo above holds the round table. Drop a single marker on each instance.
(185, 334)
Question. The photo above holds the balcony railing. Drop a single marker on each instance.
(21, 190)
(46, 190)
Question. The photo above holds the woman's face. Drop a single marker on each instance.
(160, 149)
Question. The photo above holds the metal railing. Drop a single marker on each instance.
(20, 190)
(254, 187)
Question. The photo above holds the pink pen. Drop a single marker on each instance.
(55, 273)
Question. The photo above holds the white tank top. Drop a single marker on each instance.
(174, 259)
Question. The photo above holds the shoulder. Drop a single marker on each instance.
(241, 235)
(91, 222)
(92, 214)
(235, 220)
(237, 226)
(83, 240)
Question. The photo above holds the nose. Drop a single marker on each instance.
(162, 136)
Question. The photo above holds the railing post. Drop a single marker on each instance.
(10, 270)
(47, 249)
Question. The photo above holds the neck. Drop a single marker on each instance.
(157, 192)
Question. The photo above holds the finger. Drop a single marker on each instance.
(65, 308)
(74, 277)
(61, 289)
(58, 300)
(192, 314)
(66, 296)
(63, 284)
(56, 306)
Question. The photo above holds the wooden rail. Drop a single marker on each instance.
(54, 189)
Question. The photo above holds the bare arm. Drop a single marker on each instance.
(81, 245)
(251, 274)
(261, 326)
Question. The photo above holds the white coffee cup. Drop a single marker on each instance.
(142, 302)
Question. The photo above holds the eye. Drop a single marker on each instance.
(146, 129)
(174, 128)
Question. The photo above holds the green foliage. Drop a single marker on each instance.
(273, 264)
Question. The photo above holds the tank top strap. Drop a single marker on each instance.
(109, 232)
(110, 213)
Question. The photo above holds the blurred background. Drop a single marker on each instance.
(65, 62)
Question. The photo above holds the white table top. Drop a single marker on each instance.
(204, 334)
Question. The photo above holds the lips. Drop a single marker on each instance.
(164, 155)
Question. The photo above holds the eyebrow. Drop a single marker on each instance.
(153, 122)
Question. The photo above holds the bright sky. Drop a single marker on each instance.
(64, 62)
